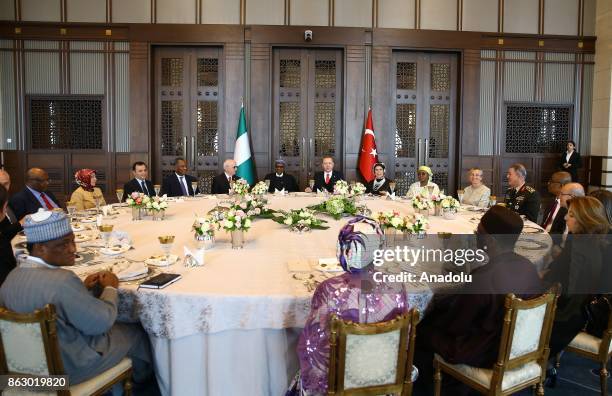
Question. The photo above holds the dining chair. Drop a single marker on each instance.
(596, 349)
(372, 358)
(29, 346)
(523, 350)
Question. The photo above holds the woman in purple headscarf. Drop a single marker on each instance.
(351, 296)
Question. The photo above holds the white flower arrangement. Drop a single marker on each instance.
(260, 188)
(240, 187)
(300, 220)
(157, 203)
(421, 202)
(393, 220)
(138, 200)
(236, 220)
(419, 224)
(437, 199)
(358, 189)
(449, 203)
(341, 188)
(206, 225)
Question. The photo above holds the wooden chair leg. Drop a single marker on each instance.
(603, 379)
(127, 387)
(437, 379)
(539, 389)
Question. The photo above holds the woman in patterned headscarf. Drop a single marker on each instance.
(85, 196)
(343, 295)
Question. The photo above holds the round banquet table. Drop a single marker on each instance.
(231, 326)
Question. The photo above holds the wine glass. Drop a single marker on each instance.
(430, 190)
(165, 243)
(194, 186)
(157, 189)
(119, 193)
(267, 181)
(492, 200)
(392, 187)
(71, 209)
(105, 231)
(460, 196)
(97, 201)
(311, 184)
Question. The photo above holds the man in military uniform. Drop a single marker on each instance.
(520, 197)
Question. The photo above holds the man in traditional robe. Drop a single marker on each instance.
(279, 180)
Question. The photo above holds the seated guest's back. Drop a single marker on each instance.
(90, 340)
(578, 268)
(343, 296)
(85, 196)
(34, 196)
(7, 259)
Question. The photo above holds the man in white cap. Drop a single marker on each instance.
(279, 180)
(424, 186)
(90, 340)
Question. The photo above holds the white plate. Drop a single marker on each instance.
(77, 227)
(328, 265)
(532, 229)
(89, 219)
(159, 261)
(81, 237)
(115, 250)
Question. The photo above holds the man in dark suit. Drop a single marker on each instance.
(465, 328)
(179, 183)
(556, 182)
(221, 182)
(327, 178)
(139, 183)
(34, 196)
(571, 161)
(279, 180)
(558, 230)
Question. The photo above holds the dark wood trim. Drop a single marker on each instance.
(17, 9)
(63, 11)
(541, 11)
(459, 15)
(374, 13)
(332, 13)
(417, 14)
(294, 35)
(580, 13)
(500, 16)
(243, 12)
(152, 11)
(287, 12)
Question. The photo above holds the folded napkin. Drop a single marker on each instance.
(99, 220)
(129, 270)
(281, 192)
(121, 238)
(195, 258)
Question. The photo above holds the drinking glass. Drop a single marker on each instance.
(165, 243)
(492, 200)
(392, 187)
(311, 184)
(194, 186)
(119, 193)
(460, 196)
(267, 181)
(71, 209)
(157, 189)
(97, 200)
(105, 231)
(430, 190)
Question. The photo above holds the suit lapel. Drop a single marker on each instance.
(33, 198)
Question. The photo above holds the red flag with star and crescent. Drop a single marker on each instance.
(368, 155)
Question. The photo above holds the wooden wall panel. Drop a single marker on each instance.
(470, 103)
(14, 163)
(355, 107)
(260, 107)
(140, 97)
(384, 128)
(309, 12)
(439, 15)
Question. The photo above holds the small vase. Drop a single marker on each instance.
(158, 215)
(421, 234)
(449, 214)
(437, 210)
(136, 213)
(237, 239)
(205, 241)
(390, 237)
(425, 213)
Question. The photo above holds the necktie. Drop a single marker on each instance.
(143, 185)
(327, 178)
(46, 201)
(549, 218)
(182, 183)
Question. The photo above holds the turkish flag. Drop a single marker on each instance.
(368, 155)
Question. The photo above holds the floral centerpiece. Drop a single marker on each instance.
(137, 201)
(260, 188)
(236, 222)
(358, 189)
(204, 228)
(449, 206)
(300, 220)
(254, 206)
(421, 203)
(392, 220)
(240, 187)
(341, 188)
(337, 206)
(436, 200)
(419, 225)
(158, 206)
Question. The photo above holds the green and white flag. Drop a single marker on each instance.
(242, 152)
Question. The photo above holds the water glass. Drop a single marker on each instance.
(105, 231)
(492, 200)
(311, 183)
(166, 242)
(460, 196)
(119, 193)
(157, 189)
(194, 187)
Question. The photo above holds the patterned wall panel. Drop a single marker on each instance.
(519, 77)
(8, 128)
(537, 129)
(122, 102)
(42, 73)
(487, 108)
(584, 145)
(86, 69)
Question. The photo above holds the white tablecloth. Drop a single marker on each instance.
(231, 326)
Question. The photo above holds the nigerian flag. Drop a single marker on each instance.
(242, 152)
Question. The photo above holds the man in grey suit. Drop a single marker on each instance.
(90, 340)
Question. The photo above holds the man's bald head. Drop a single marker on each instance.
(569, 191)
(5, 179)
(37, 179)
(558, 180)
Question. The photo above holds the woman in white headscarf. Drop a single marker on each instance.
(424, 186)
